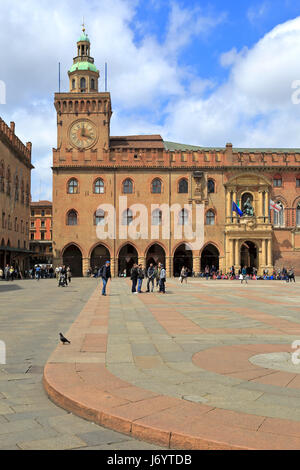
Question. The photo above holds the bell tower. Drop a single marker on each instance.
(83, 113)
(83, 74)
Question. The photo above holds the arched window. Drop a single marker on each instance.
(183, 217)
(127, 217)
(92, 84)
(156, 217)
(72, 217)
(127, 186)
(73, 186)
(99, 186)
(298, 182)
(82, 83)
(183, 186)
(210, 186)
(73, 83)
(279, 216)
(298, 215)
(156, 186)
(99, 217)
(210, 217)
(277, 181)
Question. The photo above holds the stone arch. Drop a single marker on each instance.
(182, 256)
(210, 256)
(155, 253)
(72, 256)
(127, 256)
(99, 255)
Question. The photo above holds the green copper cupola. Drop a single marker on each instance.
(83, 74)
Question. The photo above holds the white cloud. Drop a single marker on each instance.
(254, 107)
(150, 92)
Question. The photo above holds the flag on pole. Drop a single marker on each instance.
(275, 206)
(235, 208)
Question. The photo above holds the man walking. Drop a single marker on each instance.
(105, 273)
(150, 276)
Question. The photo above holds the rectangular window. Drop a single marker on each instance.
(43, 223)
(42, 235)
(43, 213)
(32, 236)
(277, 182)
(298, 182)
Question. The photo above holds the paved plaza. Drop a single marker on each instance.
(206, 366)
(32, 313)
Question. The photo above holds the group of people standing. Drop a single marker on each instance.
(154, 275)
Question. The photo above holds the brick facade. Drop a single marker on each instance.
(15, 170)
(215, 177)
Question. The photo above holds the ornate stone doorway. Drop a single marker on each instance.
(249, 256)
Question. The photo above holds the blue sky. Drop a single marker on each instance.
(199, 72)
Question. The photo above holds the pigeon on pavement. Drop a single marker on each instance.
(63, 339)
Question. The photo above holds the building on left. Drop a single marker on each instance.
(15, 175)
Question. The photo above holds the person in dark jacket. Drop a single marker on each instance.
(134, 277)
(151, 274)
(141, 276)
(105, 274)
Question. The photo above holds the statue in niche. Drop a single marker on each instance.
(248, 208)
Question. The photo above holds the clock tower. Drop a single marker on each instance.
(83, 113)
(83, 144)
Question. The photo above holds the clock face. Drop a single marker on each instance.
(83, 134)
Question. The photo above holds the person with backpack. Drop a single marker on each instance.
(105, 274)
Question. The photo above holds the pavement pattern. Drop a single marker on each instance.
(207, 365)
(32, 313)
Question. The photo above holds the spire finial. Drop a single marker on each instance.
(83, 25)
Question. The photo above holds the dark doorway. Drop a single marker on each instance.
(210, 257)
(249, 256)
(127, 257)
(72, 257)
(182, 257)
(99, 256)
(156, 254)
